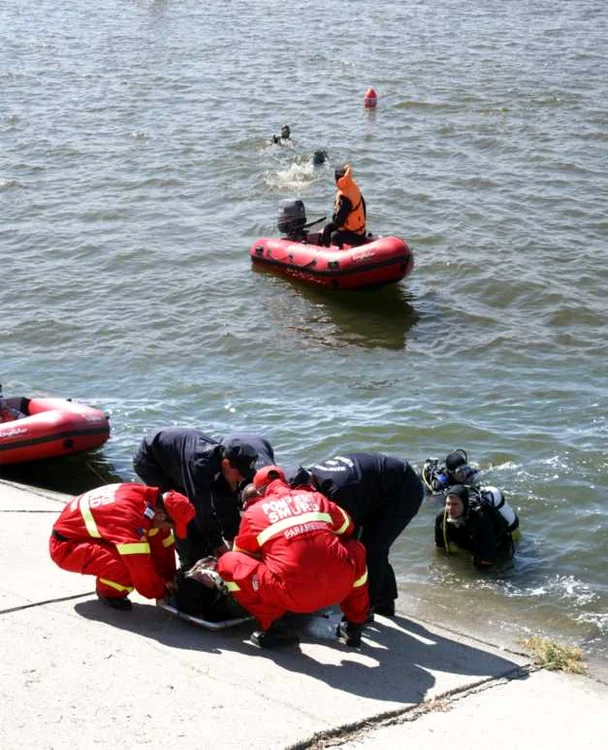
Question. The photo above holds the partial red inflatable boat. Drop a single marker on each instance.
(35, 428)
(381, 261)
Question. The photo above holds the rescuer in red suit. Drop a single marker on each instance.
(122, 534)
(293, 554)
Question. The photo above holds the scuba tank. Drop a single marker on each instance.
(496, 498)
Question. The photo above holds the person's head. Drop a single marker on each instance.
(459, 469)
(339, 172)
(455, 459)
(285, 132)
(265, 476)
(301, 477)
(249, 495)
(457, 502)
(319, 157)
(173, 510)
(238, 461)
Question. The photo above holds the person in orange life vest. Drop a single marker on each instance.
(122, 534)
(293, 553)
(347, 225)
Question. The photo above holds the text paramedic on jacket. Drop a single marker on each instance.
(293, 554)
(347, 223)
(121, 533)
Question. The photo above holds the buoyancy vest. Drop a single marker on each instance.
(347, 187)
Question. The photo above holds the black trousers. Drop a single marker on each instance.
(196, 544)
(345, 237)
(382, 528)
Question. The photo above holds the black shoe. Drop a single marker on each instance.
(350, 633)
(272, 637)
(115, 602)
(387, 609)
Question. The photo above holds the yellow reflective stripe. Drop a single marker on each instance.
(152, 532)
(133, 548)
(346, 523)
(361, 581)
(169, 541)
(288, 523)
(87, 517)
(232, 586)
(114, 585)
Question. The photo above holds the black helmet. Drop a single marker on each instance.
(455, 459)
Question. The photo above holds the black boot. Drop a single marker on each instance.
(385, 608)
(350, 633)
(121, 603)
(273, 637)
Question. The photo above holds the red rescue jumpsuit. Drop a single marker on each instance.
(106, 533)
(288, 557)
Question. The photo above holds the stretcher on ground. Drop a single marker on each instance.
(208, 624)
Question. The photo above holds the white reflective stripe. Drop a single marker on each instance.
(169, 541)
(133, 548)
(346, 523)
(361, 581)
(288, 523)
(87, 517)
(232, 586)
(114, 585)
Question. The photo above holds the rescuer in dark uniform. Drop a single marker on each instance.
(382, 494)
(210, 473)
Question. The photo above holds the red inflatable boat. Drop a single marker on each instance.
(382, 260)
(35, 428)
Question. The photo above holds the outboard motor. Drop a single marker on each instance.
(292, 219)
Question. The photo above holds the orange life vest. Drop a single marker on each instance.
(347, 187)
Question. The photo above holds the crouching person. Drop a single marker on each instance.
(123, 535)
(293, 554)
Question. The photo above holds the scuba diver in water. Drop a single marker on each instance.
(469, 522)
(284, 138)
(456, 469)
